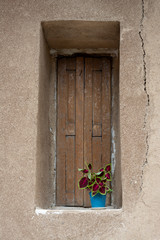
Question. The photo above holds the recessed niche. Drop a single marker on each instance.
(58, 38)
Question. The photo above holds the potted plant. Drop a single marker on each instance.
(96, 183)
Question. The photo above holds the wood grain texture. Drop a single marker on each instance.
(71, 63)
(97, 153)
(71, 96)
(106, 113)
(97, 102)
(97, 130)
(79, 127)
(70, 170)
(71, 82)
(97, 97)
(61, 128)
(88, 120)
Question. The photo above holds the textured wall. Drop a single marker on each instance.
(139, 121)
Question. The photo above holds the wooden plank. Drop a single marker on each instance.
(69, 199)
(97, 153)
(70, 169)
(71, 63)
(88, 120)
(70, 130)
(79, 127)
(97, 130)
(97, 102)
(71, 96)
(61, 126)
(97, 97)
(97, 63)
(106, 113)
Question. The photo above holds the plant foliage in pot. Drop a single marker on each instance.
(96, 183)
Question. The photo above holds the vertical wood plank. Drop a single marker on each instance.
(71, 63)
(71, 97)
(106, 113)
(97, 153)
(70, 168)
(97, 103)
(79, 127)
(61, 127)
(70, 103)
(88, 120)
(97, 97)
(97, 64)
(97, 115)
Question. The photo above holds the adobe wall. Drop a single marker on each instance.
(22, 73)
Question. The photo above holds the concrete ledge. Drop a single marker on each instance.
(61, 210)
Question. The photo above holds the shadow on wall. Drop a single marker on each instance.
(43, 172)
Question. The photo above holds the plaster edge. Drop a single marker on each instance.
(40, 211)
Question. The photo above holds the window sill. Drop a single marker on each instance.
(61, 210)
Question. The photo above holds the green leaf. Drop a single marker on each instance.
(90, 184)
(80, 169)
(108, 190)
(89, 175)
(86, 164)
(98, 173)
(94, 193)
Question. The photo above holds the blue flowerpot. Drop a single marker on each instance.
(98, 200)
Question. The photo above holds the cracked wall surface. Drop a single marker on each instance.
(139, 86)
(145, 89)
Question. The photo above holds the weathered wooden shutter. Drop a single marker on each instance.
(83, 123)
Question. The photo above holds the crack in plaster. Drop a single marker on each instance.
(146, 205)
(145, 90)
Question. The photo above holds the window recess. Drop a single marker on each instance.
(90, 53)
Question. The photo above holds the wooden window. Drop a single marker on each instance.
(83, 123)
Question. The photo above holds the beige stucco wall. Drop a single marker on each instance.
(21, 77)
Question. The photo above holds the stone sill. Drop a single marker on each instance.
(61, 210)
